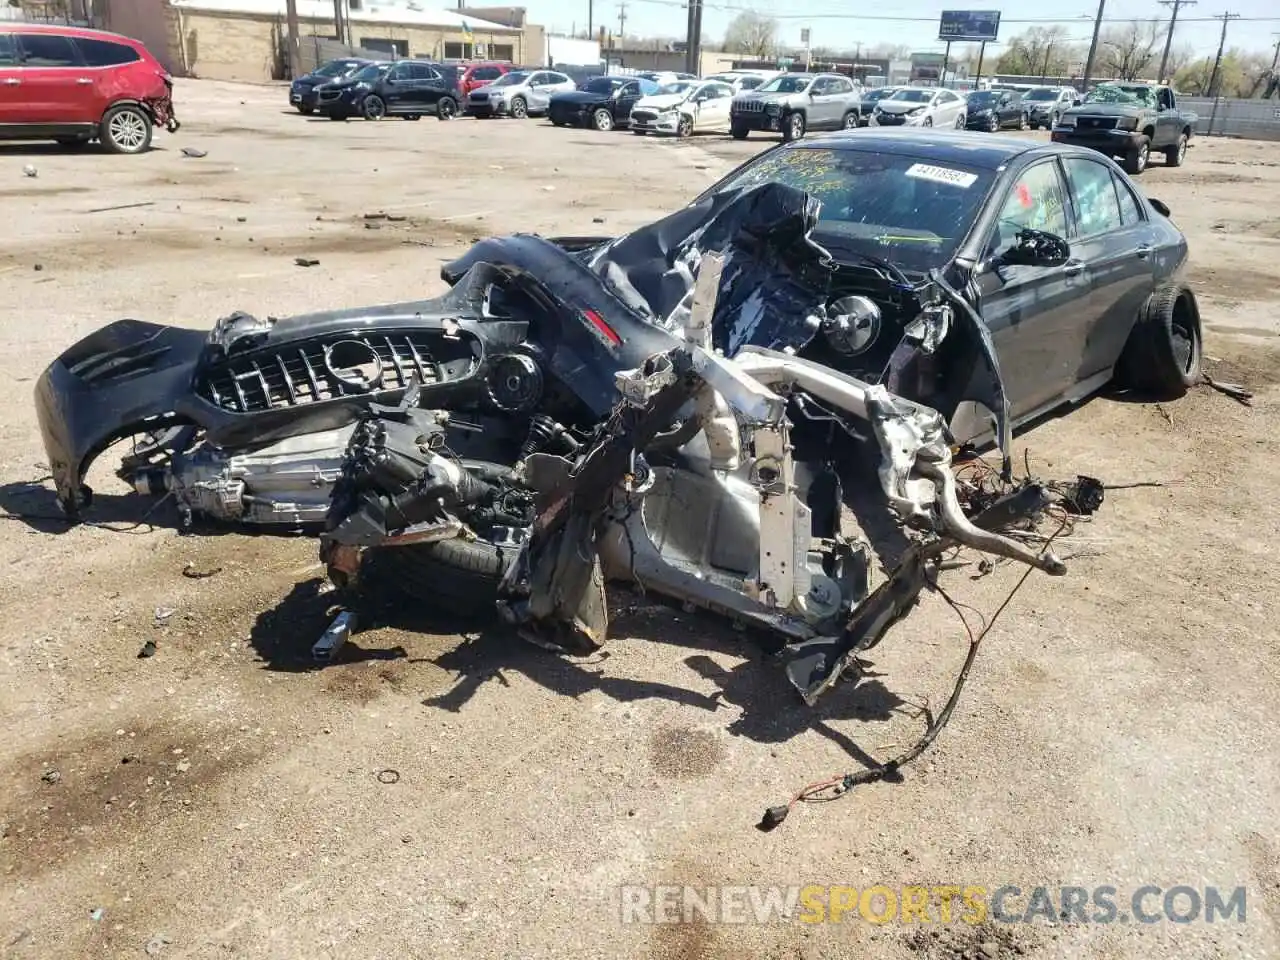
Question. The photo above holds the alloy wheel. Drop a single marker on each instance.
(128, 131)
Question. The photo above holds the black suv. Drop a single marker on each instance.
(403, 88)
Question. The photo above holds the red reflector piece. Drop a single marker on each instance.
(603, 328)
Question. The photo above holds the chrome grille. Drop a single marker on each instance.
(644, 116)
(1096, 123)
(747, 106)
(330, 94)
(296, 375)
(890, 119)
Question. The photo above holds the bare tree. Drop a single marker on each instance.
(1126, 52)
(1180, 57)
(752, 33)
(1038, 51)
(888, 51)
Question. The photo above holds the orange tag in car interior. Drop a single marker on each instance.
(1024, 195)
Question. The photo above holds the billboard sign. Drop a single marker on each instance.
(975, 26)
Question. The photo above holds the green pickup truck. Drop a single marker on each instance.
(1130, 121)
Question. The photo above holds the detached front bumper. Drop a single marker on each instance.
(127, 378)
(895, 120)
(1114, 143)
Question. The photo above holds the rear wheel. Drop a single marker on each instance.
(1174, 156)
(850, 121)
(960, 122)
(375, 108)
(1163, 353)
(447, 108)
(125, 129)
(928, 122)
(994, 125)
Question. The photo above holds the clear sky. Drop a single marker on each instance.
(914, 22)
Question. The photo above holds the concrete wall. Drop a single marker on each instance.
(145, 20)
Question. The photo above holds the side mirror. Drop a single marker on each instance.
(1161, 207)
(1077, 102)
(1037, 248)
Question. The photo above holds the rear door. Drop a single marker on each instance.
(106, 64)
(55, 86)
(1114, 241)
(398, 88)
(1032, 312)
(822, 107)
(713, 111)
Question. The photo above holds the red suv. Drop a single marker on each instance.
(73, 86)
(473, 76)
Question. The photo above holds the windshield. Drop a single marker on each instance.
(1042, 95)
(913, 96)
(879, 94)
(898, 208)
(786, 85)
(983, 98)
(605, 85)
(372, 72)
(514, 78)
(1114, 93)
(336, 68)
(680, 86)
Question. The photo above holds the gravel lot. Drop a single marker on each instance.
(221, 799)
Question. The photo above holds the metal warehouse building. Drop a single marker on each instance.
(246, 39)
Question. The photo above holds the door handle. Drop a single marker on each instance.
(1073, 268)
(11, 81)
(1144, 251)
(84, 80)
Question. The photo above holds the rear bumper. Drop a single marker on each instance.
(1113, 143)
(487, 108)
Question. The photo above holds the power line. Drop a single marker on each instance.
(1175, 5)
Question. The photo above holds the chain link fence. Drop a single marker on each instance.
(1233, 117)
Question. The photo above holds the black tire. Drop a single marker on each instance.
(639, 133)
(602, 120)
(1135, 161)
(684, 127)
(306, 111)
(459, 575)
(446, 108)
(928, 122)
(126, 128)
(793, 126)
(413, 116)
(374, 107)
(849, 121)
(1175, 155)
(739, 132)
(1162, 356)
(519, 108)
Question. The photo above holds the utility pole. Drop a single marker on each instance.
(1048, 51)
(1093, 46)
(1217, 65)
(1175, 6)
(1275, 61)
(622, 25)
(693, 38)
(291, 18)
(591, 27)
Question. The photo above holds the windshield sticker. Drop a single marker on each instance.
(957, 178)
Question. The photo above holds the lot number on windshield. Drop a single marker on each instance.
(958, 178)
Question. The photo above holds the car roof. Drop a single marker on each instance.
(85, 33)
(954, 146)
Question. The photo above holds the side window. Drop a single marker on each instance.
(47, 50)
(630, 90)
(104, 53)
(400, 72)
(556, 78)
(1094, 190)
(1130, 210)
(1036, 202)
(8, 54)
(821, 87)
(842, 86)
(486, 73)
(1165, 100)
(538, 79)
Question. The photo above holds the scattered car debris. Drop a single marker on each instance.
(306, 262)
(334, 637)
(156, 944)
(1233, 390)
(51, 776)
(194, 572)
(97, 913)
(388, 776)
(148, 650)
(30, 170)
(164, 613)
(194, 152)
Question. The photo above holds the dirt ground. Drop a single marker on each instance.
(223, 799)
